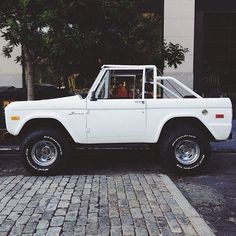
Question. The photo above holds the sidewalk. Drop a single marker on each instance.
(130, 204)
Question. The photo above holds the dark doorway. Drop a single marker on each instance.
(215, 49)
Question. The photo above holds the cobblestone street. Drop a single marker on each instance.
(75, 205)
(113, 203)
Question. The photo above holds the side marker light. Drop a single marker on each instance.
(219, 116)
(15, 118)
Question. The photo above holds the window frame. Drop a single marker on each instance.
(102, 81)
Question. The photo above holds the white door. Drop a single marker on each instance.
(118, 112)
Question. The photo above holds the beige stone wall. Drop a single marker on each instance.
(10, 71)
(179, 18)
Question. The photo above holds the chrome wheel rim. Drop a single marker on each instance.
(187, 152)
(44, 153)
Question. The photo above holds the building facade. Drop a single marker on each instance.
(10, 71)
(179, 28)
(215, 48)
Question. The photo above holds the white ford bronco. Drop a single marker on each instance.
(127, 104)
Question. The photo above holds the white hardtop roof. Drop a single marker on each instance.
(129, 66)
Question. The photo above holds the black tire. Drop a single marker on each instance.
(43, 151)
(184, 149)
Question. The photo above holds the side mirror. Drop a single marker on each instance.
(93, 98)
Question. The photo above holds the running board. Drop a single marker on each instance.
(6, 148)
(126, 146)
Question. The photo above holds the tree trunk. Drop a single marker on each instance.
(30, 81)
(29, 74)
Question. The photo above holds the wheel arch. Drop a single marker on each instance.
(186, 121)
(43, 123)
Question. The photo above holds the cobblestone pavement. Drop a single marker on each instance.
(99, 200)
(134, 204)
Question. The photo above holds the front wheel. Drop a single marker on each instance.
(184, 148)
(43, 151)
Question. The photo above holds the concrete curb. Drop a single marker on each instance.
(196, 220)
(216, 150)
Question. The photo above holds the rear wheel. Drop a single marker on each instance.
(184, 148)
(43, 151)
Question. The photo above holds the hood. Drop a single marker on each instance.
(52, 104)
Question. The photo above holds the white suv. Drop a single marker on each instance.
(126, 104)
